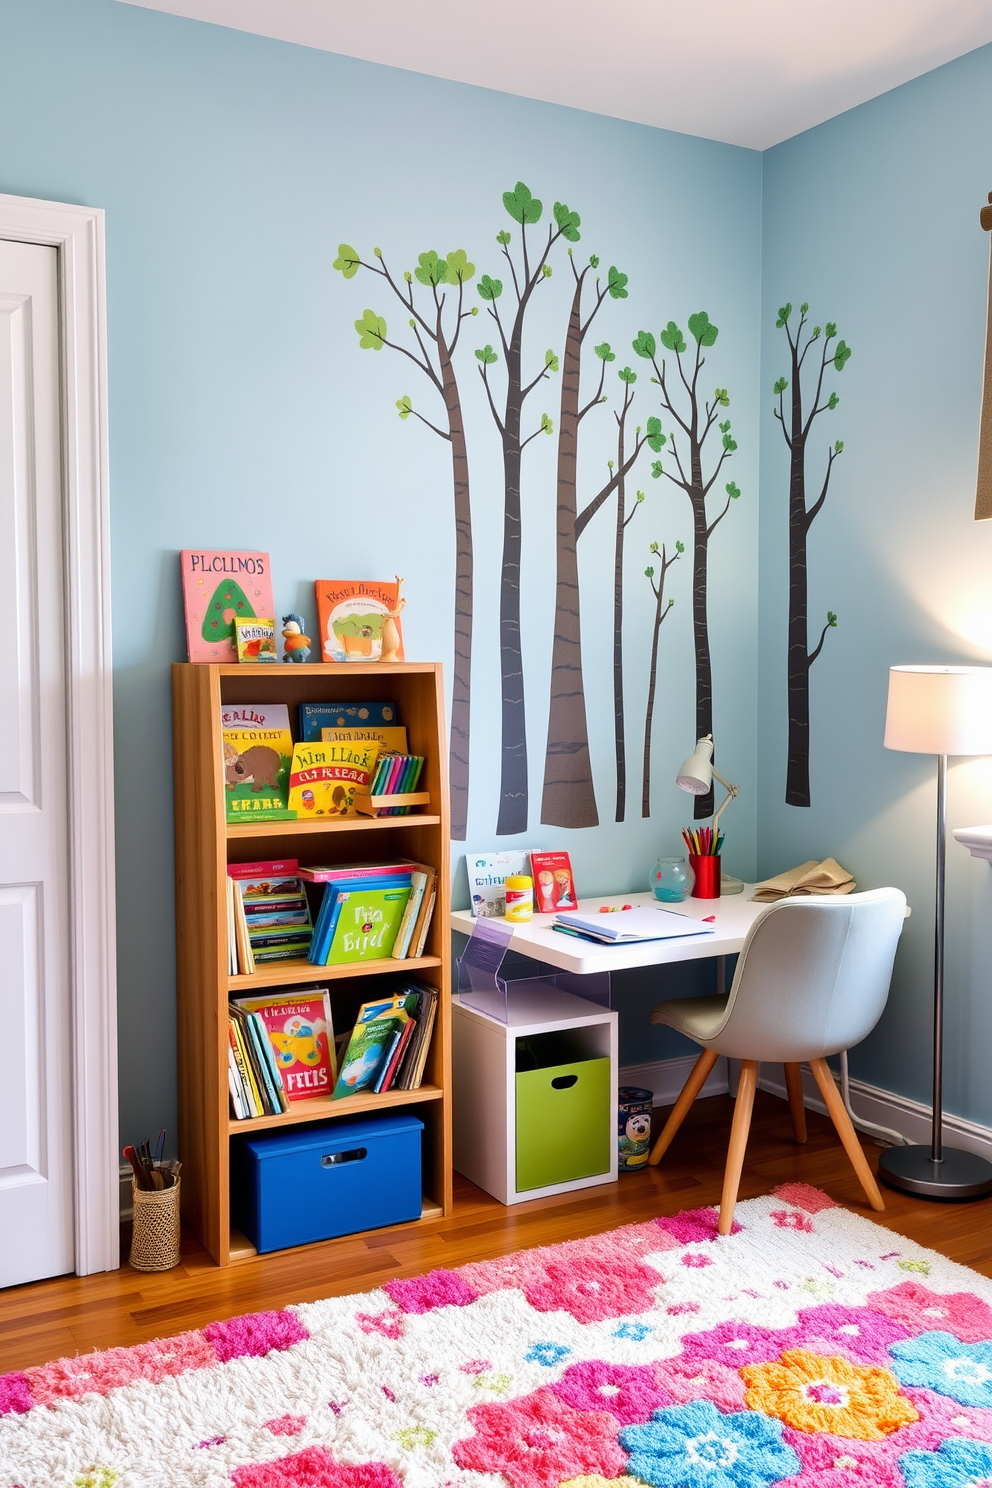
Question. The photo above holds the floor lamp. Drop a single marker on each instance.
(938, 710)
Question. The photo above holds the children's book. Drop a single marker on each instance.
(301, 1033)
(359, 620)
(317, 716)
(219, 588)
(487, 875)
(271, 912)
(335, 896)
(324, 874)
(325, 778)
(390, 739)
(255, 640)
(554, 887)
(374, 1038)
(367, 922)
(258, 750)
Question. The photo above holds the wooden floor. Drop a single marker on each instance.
(72, 1315)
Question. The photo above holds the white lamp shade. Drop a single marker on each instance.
(696, 773)
(939, 709)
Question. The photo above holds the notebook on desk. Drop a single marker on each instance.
(625, 926)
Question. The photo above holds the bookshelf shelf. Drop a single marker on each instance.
(205, 843)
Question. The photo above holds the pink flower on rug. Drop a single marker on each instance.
(285, 1425)
(624, 1246)
(15, 1394)
(389, 1323)
(802, 1196)
(628, 1391)
(537, 1441)
(692, 1225)
(700, 1379)
(107, 1369)
(505, 1273)
(735, 1344)
(255, 1334)
(593, 1289)
(840, 1462)
(315, 1468)
(940, 1417)
(859, 1333)
(791, 1219)
(437, 1289)
(921, 1311)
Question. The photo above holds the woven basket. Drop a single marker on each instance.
(155, 1236)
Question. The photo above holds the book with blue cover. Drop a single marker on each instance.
(316, 716)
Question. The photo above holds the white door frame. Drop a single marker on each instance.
(77, 233)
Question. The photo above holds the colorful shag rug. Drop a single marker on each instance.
(809, 1348)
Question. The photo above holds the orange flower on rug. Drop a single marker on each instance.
(814, 1392)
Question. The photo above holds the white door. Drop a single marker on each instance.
(36, 1162)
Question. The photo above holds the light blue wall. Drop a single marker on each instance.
(243, 413)
(873, 218)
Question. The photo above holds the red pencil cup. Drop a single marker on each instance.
(707, 871)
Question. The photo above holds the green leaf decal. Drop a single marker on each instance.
(550, 361)
(604, 353)
(460, 271)
(593, 261)
(490, 289)
(649, 572)
(729, 443)
(371, 331)
(546, 271)
(831, 329)
(640, 496)
(679, 547)
(832, 401)
(522, 207)
(656, 470)
(568, 222)
(655, 438)
(405, 406)
(733, 490)
(347, 261)
(702, 329)
(722, 397)
(487, 356)
(781, 385)
(672, 337)
(503, 238)
(618, 283)
(783, 315)
(432, 270)
(839, 447)
(626, 375)
(547, 424)
(831, 619)
(841, 355)
(645, 345)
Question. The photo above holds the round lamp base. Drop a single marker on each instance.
(959, 1175)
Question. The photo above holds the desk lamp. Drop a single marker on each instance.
(696, 776)
(938, 710)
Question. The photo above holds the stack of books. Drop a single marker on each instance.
(388, 1046)
(281, 1049)
(371, 911)
(268, 916)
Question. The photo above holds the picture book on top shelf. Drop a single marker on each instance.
(220, 587)
(315, 717)
(487, 875)
(360, 620)
(258, 751)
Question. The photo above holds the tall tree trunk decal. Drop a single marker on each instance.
(983, 490)
(526, 210)
(433, 357)
(796, 429)
(569, 798)
(660, 614)
(695, 420)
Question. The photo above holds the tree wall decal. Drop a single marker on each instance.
(796, 429)
(436, 334)
(695, 421)
(660, 615)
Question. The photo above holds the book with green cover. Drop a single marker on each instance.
(367, 925)
(373, 1039)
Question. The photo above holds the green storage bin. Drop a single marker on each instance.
(564, 1122)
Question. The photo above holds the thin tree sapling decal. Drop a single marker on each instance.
(696, 420)
(983, 489)
(660, 615)
(527, 270)
(436, 330)
(569, 798)
(796, 427)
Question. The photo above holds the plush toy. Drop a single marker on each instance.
(296, 645)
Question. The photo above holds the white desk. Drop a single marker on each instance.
(734, 917)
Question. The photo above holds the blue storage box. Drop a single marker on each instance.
(316, 1182)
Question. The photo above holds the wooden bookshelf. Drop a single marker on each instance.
(206, 843)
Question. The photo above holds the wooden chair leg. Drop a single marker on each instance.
(794, 1085)
(738, 1142)
(680, 1110)
(846, 1132)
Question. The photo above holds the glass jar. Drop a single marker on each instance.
(671, 880)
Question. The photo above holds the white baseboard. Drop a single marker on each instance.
(667, 1076)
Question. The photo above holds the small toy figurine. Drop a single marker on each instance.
(296, 645)
(634, 1123)
(390, 630)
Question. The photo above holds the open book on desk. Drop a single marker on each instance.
(625, 926)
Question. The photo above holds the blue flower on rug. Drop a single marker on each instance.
(547, 1354)
(694, 1446)
(958, 1463)
(636, 1331)
(941, 1362)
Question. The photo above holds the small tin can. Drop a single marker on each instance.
(633, 1127)
(519, 897)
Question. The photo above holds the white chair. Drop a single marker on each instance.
(812, 979)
